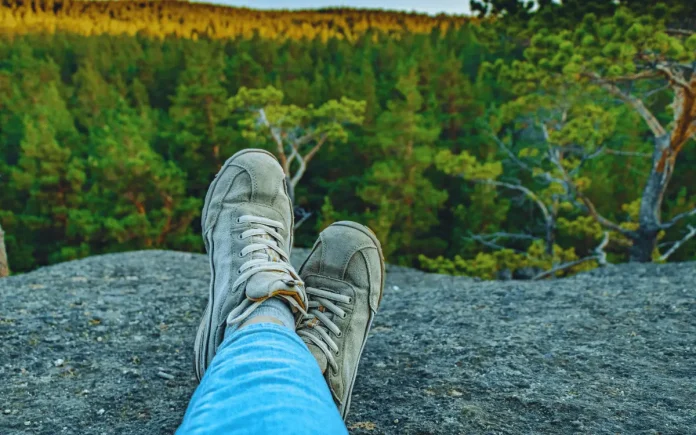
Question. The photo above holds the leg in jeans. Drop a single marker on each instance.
(257, 375)
(263, 380)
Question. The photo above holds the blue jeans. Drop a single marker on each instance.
(263, 380)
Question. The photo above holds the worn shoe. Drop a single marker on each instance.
(247, 228)
(344, 277)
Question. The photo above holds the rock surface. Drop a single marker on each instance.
(103, 346)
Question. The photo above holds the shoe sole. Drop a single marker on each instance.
(367, 231)
(207, 319)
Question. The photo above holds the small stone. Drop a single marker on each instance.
(59, 362)
(164, 375)
(101, 412)
(395, 287)
(27, 423)
(7, 411)
(455, 393)
(396, 420)
(99, 339)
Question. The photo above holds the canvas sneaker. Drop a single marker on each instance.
(344, 278)
(247, 225)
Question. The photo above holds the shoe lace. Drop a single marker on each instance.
(266, 256)
(317, 323)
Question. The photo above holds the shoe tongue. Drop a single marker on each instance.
(319, 356)
(266, 283)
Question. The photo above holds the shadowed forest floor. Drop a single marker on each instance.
(103, 346)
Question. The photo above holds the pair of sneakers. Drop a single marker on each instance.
(248, 232)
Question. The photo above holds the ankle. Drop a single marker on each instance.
(261, 319)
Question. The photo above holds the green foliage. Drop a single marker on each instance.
(426, 132)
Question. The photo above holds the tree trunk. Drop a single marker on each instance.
(4, 265)
(649, 219)
(550, 237)
(290, 188)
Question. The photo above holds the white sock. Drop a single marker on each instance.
(272, 307)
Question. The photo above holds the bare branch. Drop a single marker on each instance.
(646, 74)
(531, 195)
(303, 160)
(627, 153)
(599, 250)
(680, 32)
(316, 148)
(278, 140)
(504, 235)
(585, 158)
(677, 245)
(656, 90)
(563, 266)
(301, 170)
(586, 201)
(4, 268)
(674, 79)
(509, 152)
(606, 223)
(490, 244)
(677, 218)
(600, 256)
(655, 127)
(303, 215)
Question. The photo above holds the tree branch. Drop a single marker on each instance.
(278, 140)
(527, 192)
(4, 267)
(586, 201)
(674, 79)
(627, 153)
(599, 250)
(504, 235)
(677, 245)
(600, 256)
(646, 74)
(606, 223)
(316, 148)
(655, 127)
(677, 218)
(509, 152)
(491, 243)
(303, 215)
(563, 266)
(680, 32)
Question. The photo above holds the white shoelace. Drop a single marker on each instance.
(317, 324)
(268, 243)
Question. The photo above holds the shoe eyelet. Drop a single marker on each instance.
(340, 334)
(350, 300)
(241, 255)
(239, 271)
(239, 221)
(344, 316)
(240, 237)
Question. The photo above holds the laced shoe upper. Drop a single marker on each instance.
(266, 277)
(344, 278)
(247, 228)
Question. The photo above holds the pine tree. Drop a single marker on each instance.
(200, 132)
(405, 202)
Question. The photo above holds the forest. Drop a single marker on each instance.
(532, 140)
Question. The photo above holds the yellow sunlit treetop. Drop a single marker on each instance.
(192, 20)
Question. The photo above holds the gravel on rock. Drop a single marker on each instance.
(104, 346)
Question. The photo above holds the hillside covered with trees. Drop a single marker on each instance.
(525, 142)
